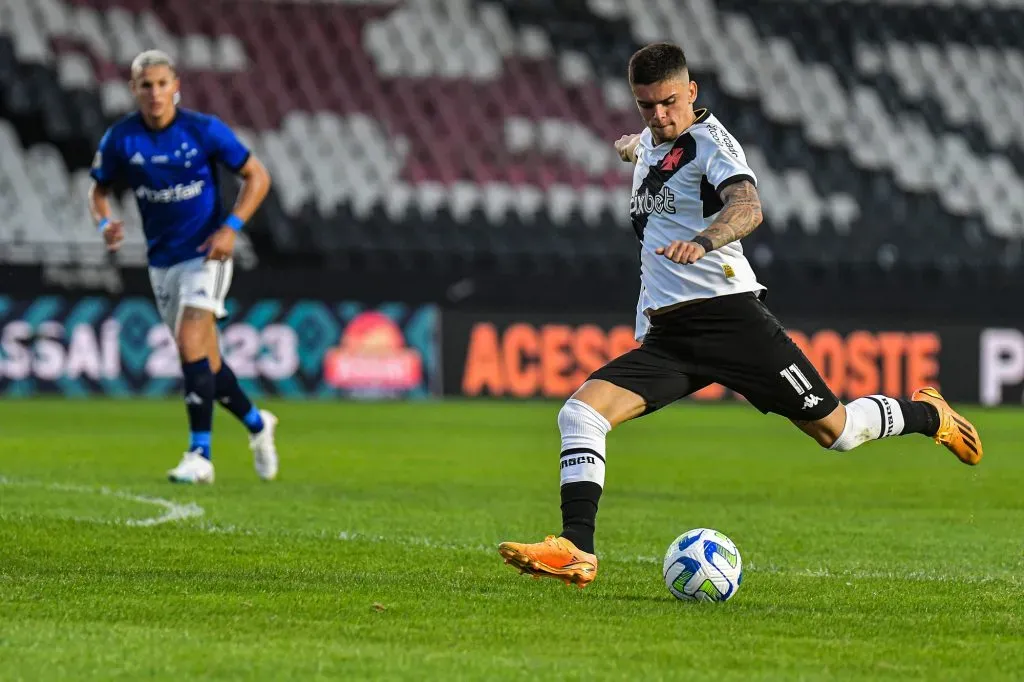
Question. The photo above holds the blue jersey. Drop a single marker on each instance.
(173, 173)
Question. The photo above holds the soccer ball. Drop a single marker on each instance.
(702, 565)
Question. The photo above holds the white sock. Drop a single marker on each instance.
(583, 432)
(870, 418)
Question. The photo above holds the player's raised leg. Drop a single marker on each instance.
(877, 416)
(773, 373)
(783, 380)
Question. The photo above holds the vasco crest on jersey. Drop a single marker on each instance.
(643, 203)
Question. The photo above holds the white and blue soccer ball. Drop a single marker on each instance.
(703, 565)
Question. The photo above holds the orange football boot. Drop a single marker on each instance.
(956, 433)
(556, 557)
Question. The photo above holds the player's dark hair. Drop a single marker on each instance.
(655, 63)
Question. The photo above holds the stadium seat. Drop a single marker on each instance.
(481, 120)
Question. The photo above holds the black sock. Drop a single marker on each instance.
(919, 417)
(230, 395)
(579, 513)
(199, 392)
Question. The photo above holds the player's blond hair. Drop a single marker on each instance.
(151, 58)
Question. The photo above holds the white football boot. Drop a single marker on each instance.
(193, 468)
(264, 450)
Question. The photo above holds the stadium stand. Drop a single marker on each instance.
(425, 132)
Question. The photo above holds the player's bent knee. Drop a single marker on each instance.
(614, 403)
(570, 414)
(578, 419)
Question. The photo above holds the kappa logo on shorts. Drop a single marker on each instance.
(810, 401)
(200, 292)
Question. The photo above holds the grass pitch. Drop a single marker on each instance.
(374, 555)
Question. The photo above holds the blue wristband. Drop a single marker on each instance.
(234, 222)
(102, 225)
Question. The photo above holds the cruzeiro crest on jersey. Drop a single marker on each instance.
(652, 196)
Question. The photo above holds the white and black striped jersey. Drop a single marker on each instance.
(676, 189)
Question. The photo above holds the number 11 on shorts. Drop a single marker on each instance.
(796, 379)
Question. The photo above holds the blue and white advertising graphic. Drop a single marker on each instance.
(301, 348)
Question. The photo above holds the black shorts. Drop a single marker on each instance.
(730, 340)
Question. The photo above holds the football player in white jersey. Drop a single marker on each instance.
(701, 319)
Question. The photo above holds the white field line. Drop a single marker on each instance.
(173, 512)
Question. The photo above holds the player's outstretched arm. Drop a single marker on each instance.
(740, 215)
(99, 208)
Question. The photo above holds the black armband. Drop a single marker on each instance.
(705, 242)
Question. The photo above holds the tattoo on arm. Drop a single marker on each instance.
(740, 215)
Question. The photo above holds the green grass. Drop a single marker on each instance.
(891, 562)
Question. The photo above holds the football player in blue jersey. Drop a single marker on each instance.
(169, 156)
